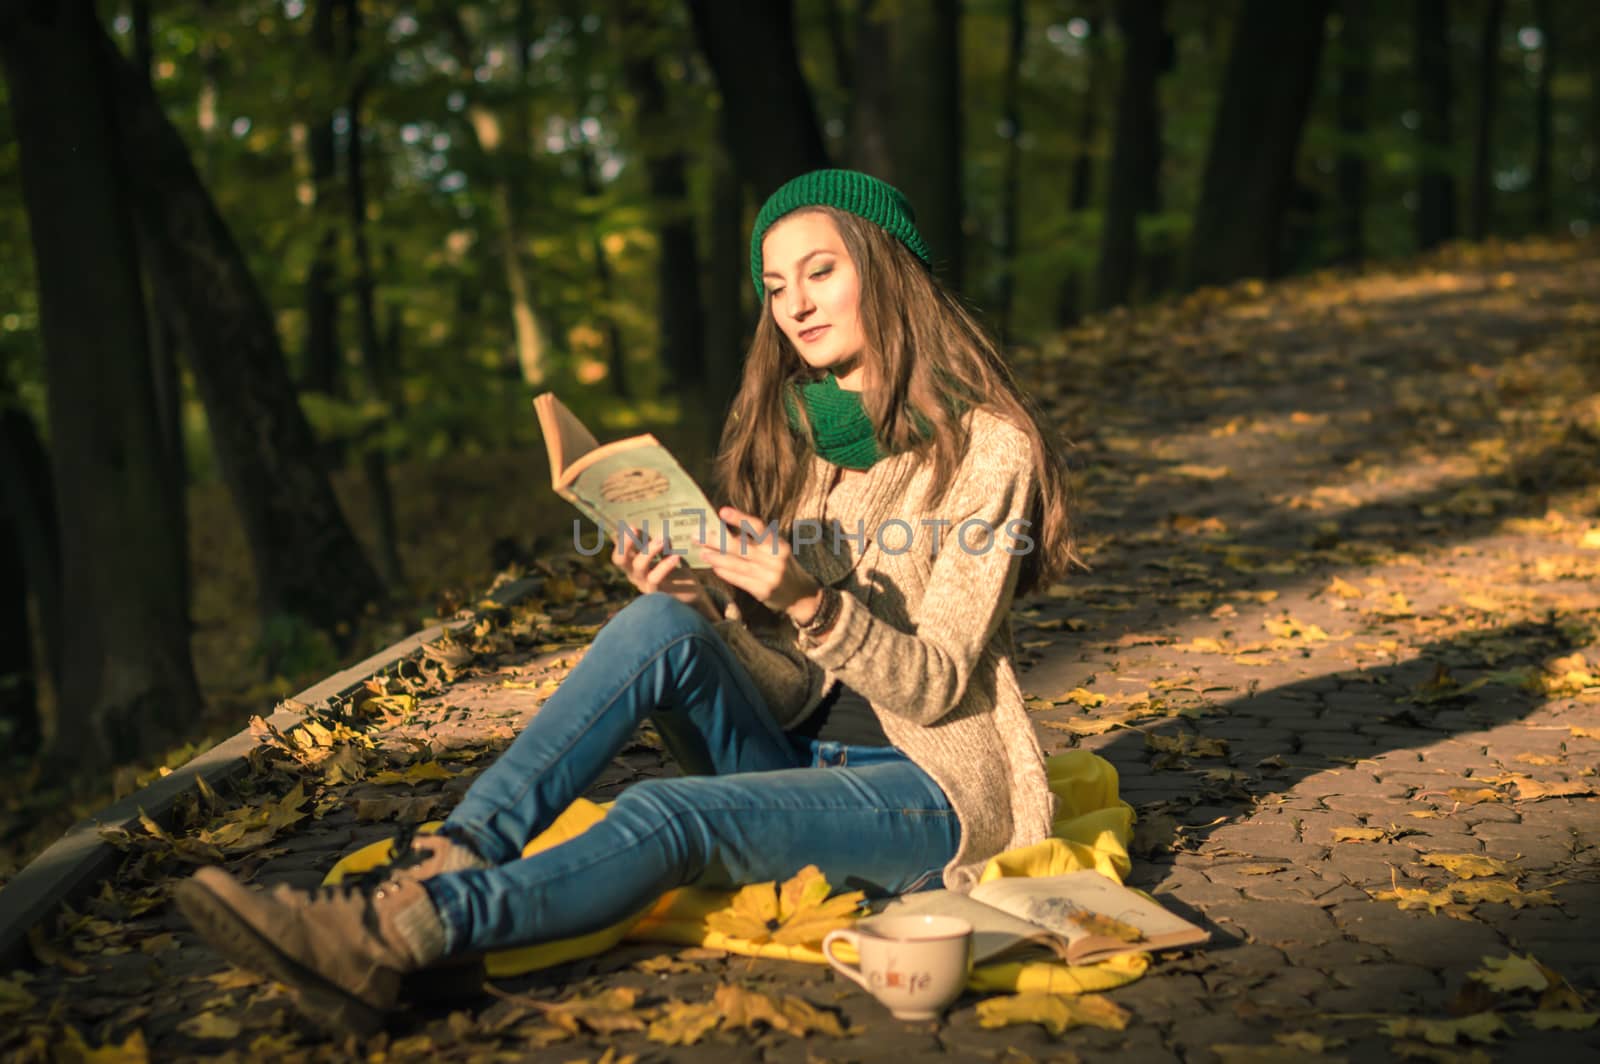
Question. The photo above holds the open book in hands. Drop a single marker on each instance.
(633, 483)
(1081, 917)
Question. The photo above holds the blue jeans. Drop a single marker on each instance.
(758, 804)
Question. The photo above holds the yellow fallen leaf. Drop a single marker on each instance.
(801, 913)
(210, 1025)
(14, 997)
(1580, 732)
(1055, 1012)
(132, 1050)
(417, 773)
(1200, 472)
(1529, 790)
(1185, 744)
(683, 1023)
(1308, 1041)
(1359, 834)
(1416, 898)
(1501, 892)
(1505, 974)
(1342, 589)
(1083, 697)
(1470, 865)
(741, 1008)
(1551, 1020)
(603, 1013)
(1479, 1027)
(1474, 795)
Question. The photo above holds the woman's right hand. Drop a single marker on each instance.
(649, 572)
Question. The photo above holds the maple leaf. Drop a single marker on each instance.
(603, 1013)
(800, 913)
(1359, 834)
(1479, 1027)
(683, 1023)
(1511, 973)
(210, 1025)
(1055, 1012)
(743, 1008)
(1557, 1020)
(1469, 865)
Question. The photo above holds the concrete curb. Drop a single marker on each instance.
(71, 867)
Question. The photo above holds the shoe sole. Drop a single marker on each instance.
(335, 1010)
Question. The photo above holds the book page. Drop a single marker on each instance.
(565, 437)
(638, 484)
(993, 932)
(1096, 915)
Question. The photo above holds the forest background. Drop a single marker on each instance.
(279, 277)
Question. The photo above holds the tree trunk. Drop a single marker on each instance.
(1011, 177)
(164, 370)
(383, 380)
(1070, 297)
(1135, 178)
(27, 488)
(30, 564)
(1543, 205)
(20, 731)
(727, 288)
(751, 51)
(307, 563)
(128, 685)
(679, 312)
(1436, 191)
(1479, 223)
(926, 134)
(872, 102)
(1255, 138)
(1350, 169)
(321, 357)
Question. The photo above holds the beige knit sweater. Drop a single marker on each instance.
(924, 635)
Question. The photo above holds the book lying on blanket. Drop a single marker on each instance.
(1081, 917)
(633, 483)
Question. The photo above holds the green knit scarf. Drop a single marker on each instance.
(841, 430)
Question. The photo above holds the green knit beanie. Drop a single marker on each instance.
(848, 190)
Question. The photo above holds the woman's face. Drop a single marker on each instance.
(814, 294)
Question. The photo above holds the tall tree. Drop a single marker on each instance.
(1543, 205)
(128, 683)
(1070, 297)
(1436, 189)
(383, 380)
(1011, 178)
(1350, 168)
(307, 563)
(1255, 139)
(500, 136)
(165, 372)
(1479, 221)
(1134, 184)
(906, 122)
(679, 311)
(771, 116)
(320, 361)
(31, 560)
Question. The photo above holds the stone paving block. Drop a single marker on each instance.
(1275, 923)
(1515, 843)
(1417, 936)
(1159, 998)
(1328, 956)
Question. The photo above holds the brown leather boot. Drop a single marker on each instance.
(341, 950)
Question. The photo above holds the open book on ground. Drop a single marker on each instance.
(1081, 917)
(633, 483)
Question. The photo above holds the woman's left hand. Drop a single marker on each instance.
(765, 567)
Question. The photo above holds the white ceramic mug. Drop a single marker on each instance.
(913, 965)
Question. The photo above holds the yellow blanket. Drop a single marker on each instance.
(1092, 830)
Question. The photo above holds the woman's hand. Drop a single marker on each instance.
(649, 572)
(765, 567)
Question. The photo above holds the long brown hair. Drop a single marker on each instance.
(926, 358)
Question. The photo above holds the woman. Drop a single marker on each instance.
(839, 688)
